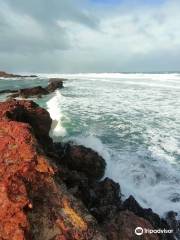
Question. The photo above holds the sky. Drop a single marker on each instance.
(73, 36)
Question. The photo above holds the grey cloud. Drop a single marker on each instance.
(23, 33)
(31, 26)
(49, 11)
(76, 36)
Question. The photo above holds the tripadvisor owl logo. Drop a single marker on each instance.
(139, 231)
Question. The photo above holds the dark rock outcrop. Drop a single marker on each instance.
(29, 112)
(123, 226)
(29, 92)
(157, 222)
(102, 199)
(8, 91)
(105, 200)
(35, 91)
(10, 75)
(81, 159)
(54, 83)
(174, 223)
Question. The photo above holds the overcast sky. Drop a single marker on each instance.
(69, 36)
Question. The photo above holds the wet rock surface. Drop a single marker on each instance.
(174, 223)
(103, 199)
(157, 222)
(38, 91)
(123, 225)
(54, 83)
(82, 159)
(132, 205)
(29, 92)
(56, 191)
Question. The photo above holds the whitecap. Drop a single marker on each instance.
(54, 109)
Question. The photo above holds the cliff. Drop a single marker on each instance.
(33, 205)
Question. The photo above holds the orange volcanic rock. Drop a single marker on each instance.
(32, 204)
(29, 112)
(18, 159)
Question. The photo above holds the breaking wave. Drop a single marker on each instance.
(54, 109)
(133, 122)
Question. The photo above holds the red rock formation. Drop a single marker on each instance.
(19, 161)
(32, 204)
(29, 112)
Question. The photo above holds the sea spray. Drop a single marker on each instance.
(136, 177)
(54, 109)
(93, 143)
(134, 124)
(133, 121)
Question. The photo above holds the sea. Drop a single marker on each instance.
(131, 119)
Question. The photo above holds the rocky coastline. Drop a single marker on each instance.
(4, 74)
(56, 191)
(38, 91)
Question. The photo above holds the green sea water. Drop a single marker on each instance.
(132, 120)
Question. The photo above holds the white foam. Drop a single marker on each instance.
(93, 143)
(134, 76)
(146, 166)
(54, 109)
(141, 179)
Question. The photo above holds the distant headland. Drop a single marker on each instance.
(4, 74)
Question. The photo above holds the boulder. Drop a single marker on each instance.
(81, 159)
(54, 83)
(123, 226)
(157, 222)
(30, 92)
(105, 200)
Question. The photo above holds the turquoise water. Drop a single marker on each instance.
(132, 120)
